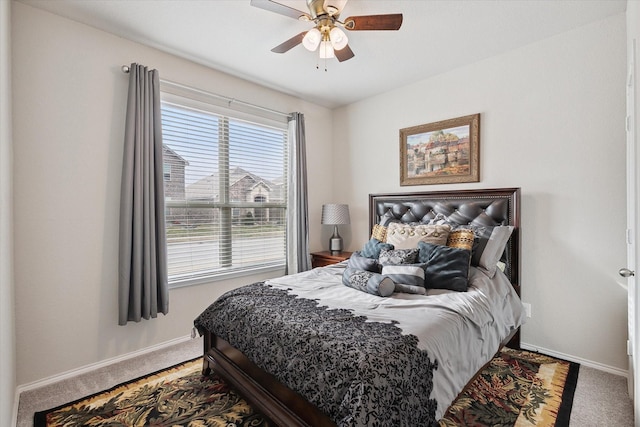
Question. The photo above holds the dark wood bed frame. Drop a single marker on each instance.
(479, 207)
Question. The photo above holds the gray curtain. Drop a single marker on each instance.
(298, 257)
(142, 282)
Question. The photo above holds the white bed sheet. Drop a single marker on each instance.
(462, 331)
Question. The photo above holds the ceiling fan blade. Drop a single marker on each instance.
(289, 44)
(373, 22)
(282, 9)
(344, 53)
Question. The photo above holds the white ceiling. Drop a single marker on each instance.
(235, 37)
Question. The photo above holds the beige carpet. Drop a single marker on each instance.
(601, 399)
(85, 384)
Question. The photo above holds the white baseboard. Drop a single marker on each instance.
(570, 358)
(98, 365)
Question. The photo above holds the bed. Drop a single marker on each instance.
(309, 351)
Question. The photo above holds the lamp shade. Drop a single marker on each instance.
(335, 214)
(312, 39)
(338, 38)
(326, 50)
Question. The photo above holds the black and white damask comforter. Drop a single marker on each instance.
(366, 360)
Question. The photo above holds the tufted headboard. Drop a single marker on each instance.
(492, 207)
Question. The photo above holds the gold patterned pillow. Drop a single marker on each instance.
(462, 239)
(379, 232)
(406, 236)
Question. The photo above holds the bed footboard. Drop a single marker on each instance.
(282, 405)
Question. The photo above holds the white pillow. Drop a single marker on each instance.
(488, 252)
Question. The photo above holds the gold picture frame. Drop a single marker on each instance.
(443, 152)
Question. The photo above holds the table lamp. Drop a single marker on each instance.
(335, 214)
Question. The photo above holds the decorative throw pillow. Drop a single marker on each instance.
(461, 238)
(439, 218)
(409, 289)
(489, 246)
(398, 256)
(404, 236)
(372, 248)
(387, 218)
(379, 232)
(359, 262)
(367, 281)
(408, 278)
(446, 267)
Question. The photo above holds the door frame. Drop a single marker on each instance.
(633, 226)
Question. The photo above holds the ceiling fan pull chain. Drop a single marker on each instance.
(318, 64)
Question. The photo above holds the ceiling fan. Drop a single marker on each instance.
(327, 33)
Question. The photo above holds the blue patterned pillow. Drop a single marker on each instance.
(398, 256)
(373, 247)
(360, 262)
(367, 281)
(445, 267)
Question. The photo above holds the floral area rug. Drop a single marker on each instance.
(517, 388)
(178, 396)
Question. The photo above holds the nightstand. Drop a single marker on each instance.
(320, 259)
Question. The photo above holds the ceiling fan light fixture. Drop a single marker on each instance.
(328, 30)
(312, 39)
(326, 50)
(338, 38)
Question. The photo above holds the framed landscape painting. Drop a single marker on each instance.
(441, 153)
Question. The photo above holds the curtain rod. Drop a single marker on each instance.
(125, 69)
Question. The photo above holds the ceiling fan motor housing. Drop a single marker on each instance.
(317, 9)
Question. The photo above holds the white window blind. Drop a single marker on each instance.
(226, 194)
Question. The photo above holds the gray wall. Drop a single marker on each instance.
(552, 123)
(7, 338)
(69, 109)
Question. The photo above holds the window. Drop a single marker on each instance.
(226, 196)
